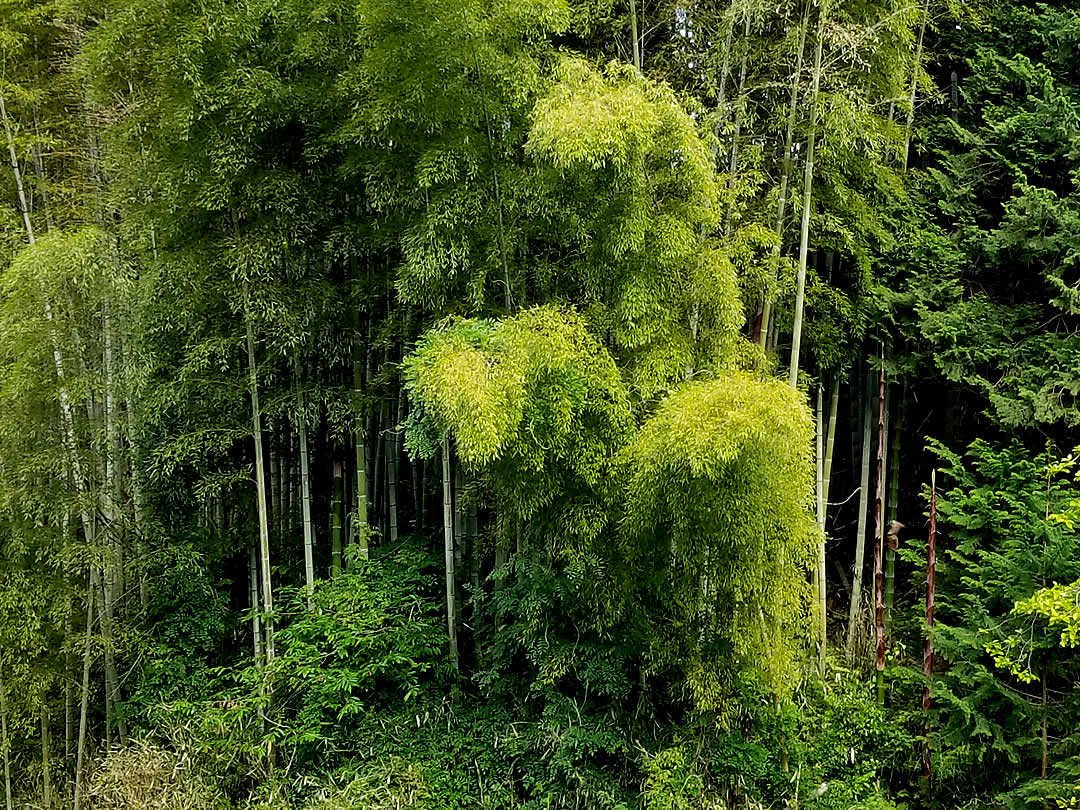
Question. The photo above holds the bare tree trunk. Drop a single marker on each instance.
(459, 530)
(256, 619)
(46, 757)
(418, 482)
(69, 654)
(830, 438)
(860, 531)
(819, 573)
(448, 542)
(138, 499)
(808, 186)
(305, 487)
(69, 693)
(110, 676)
(879, 600)
(260, 479)
(113, 563)
(472, 523)
(363, 530)
(84, 701)
(459, 518)
(915, 83)
(4, 738)
(393, 463)
(636, 43)
(380, 462)
(733, 154)
(787, 170)
(928, 644)
(891, 509)
(24, 209)
(294, 492)
(337, 509)
(275, 480)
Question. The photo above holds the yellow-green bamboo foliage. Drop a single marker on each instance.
(535, 405)
(636, 207)
(699, 519)
(535, 398)
(718, 505)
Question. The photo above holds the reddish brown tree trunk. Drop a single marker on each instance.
(928, 645)
(879, 594)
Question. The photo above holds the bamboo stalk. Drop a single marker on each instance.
(808, 185)
(260, 480)
(84, 701)
(337, 509)
(395, 464)
(819, 573)
(915, 83)
(275, 480)
(897, 429)
(363, 529)
(448, 551)
(879, 602)
(928, 644)
(4, 738)
(46, 757)
(256, 619)
(860, 531)
(733, 154)
(305, 487)
(787, 168)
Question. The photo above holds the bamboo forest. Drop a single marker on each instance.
(540, 404)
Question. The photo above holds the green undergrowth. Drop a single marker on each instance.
(360, 710)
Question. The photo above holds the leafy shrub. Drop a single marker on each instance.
(183, 630)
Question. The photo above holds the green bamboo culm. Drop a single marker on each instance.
(892, 505)
(337, 509)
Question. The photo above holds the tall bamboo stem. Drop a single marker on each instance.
(860, 532)
(879, 602)
(448, 551)
(819, 572)
(808, 185)
(305, 486)
(84, 700)
(928, 644)
(46, 756)
(337, 510)
(787, 168)
(260, 479)
(4, 738)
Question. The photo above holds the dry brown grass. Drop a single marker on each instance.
(145, 776)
